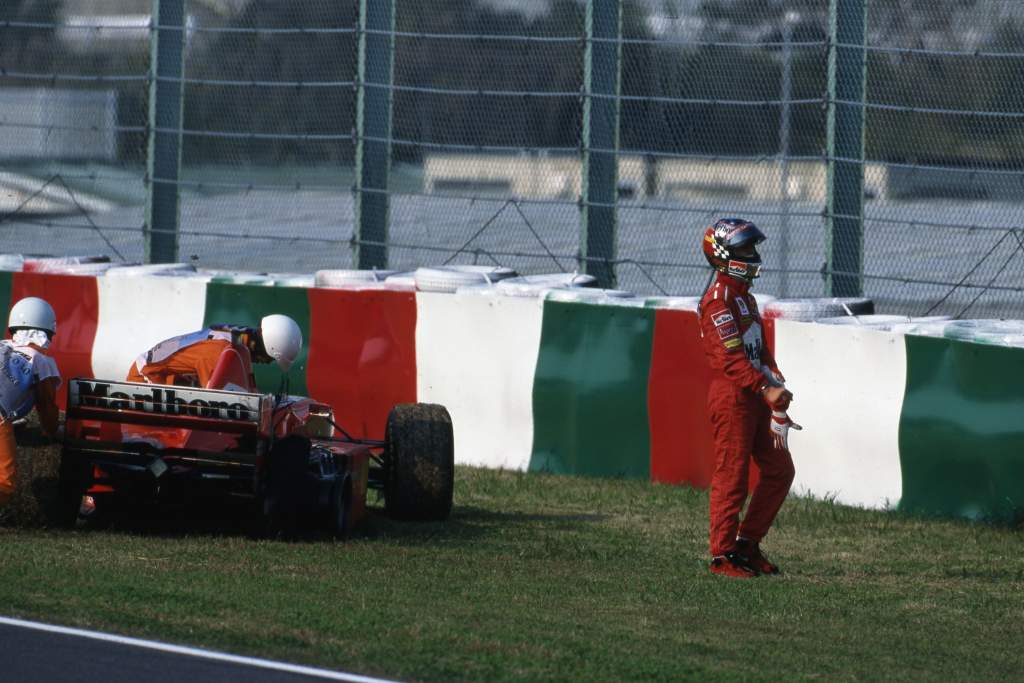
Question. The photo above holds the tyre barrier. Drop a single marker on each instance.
(292, 280)
(592, 295)
(336, 278)
(83, 268)
(874, 321)
(539, 285)
(149, 269)
(589, 386)
(402, 279)
(450, 278)
(814, 309)
(45, 264)
(678, 303)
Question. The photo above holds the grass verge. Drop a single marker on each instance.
(544, 578)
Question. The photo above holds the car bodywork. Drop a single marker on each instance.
(168, 443)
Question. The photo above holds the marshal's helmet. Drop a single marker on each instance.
(32, 313)
(282, 339)
(724, 238)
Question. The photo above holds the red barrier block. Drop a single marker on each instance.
(362, 355)
(682, 451)
(75, 300)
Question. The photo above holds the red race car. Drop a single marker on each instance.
(140, 443)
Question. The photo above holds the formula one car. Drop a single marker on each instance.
(151, 443)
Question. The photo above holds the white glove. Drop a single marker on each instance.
(781, 424)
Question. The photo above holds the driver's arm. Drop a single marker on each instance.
(200, 360)
(46, 404)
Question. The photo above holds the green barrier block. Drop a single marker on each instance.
(246, 305)
(961, 433)
(6, 278)
(590, 391)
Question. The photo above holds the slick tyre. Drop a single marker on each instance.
(72, 482)
(285, 485)
(419, 462)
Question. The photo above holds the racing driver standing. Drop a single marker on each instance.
(747, 404)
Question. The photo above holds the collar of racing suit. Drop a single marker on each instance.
(739, 286)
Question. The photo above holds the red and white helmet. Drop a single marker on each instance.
(722, 239)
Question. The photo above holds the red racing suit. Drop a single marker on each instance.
(740, 419)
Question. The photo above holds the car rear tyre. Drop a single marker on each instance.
(72, 482)
(284, 485)
(419, 462)
(338, 522)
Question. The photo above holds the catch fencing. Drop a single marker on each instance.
(879, 143)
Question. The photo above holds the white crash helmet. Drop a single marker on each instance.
(34, 313)
(282, 339)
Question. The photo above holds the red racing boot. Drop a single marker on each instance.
(751, 553)
(732, 565)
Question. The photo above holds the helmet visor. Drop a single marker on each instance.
(742, 235)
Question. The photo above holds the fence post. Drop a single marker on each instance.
(601, 67)
(845, 201)
(163, 154)
(373, 131)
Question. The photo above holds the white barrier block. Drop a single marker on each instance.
(137, 313)
(848, 384)
(477, 355)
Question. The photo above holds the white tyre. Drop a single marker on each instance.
(539, 285)
(1000, 339)
(492, 273)
(873, 321)
(442, 280)
(815, 309)
(84, 268)
(47, 264)
(985, 330)
(292, 280)
(401, 280)
(931, 319)
(451, 278)
(335, 278)
(585, 294)
(235, 278)
(150, 269)
(925, 329)
(12, 262)
(677, 303)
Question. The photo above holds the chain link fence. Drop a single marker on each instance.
(722, 109)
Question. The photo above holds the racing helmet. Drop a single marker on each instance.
(32, 313)
(723, 238)
(282, 339)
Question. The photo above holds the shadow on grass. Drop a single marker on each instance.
(37, 491)
(218, 517)
(471, 523)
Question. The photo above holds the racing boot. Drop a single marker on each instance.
(751, 552)
(733, 565)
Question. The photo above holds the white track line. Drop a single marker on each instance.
(195, 652)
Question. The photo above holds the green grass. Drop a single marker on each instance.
(550, 578)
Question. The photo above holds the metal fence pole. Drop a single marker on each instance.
(845, 202)
(163, 157)
(784, 134)
(373, 131)
(601, 137)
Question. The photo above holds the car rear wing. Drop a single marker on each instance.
(169, 406)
